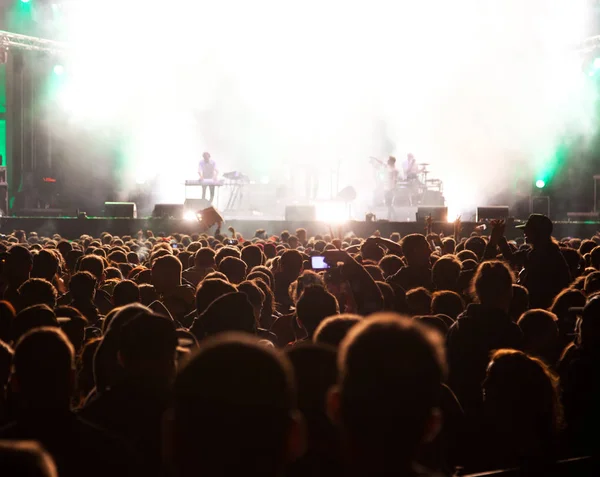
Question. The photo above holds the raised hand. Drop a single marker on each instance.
(498, 229)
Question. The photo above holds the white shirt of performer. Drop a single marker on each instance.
(207, 168)
(410, 166)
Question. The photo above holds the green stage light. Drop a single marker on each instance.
(540, 184)
(59, 70)
(25, 1)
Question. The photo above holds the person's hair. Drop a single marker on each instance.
(204, 257)
(568, 298)
(314, 305)
(7, 316)
(93, 264)
(43, 364)
(418, 301)
(493, 280)
(73, 324)
(45, 265)
(227, 251)
(315, 369)
(6, 356)
(306, 279)
(476, 245)
(253, 256)
(147, 343)
(234, 269)
(587, 246)
(520, 301)
(413, 246)
(445, 272)
(255, 295)
(464, 255)
(167, 266)
(234, 400)
(126, 292)
(447, 303)
(209, 290)
(291, 262)
(267, 271)
(82, 286)
(539, 328)
(26, 458)
(592, 283)
(523, 392)
(332, 330)
(268, 308)
(37, 291)
(390, 374)
(374, 271)
(35, 316)
(390, 264)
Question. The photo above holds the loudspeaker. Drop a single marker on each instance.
(120, 209)
(438, 214)
(540, 205)
(210, 217)
(168, 211)
(196, 205)
(492, 212)
(300, 213)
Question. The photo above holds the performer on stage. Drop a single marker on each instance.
(207, 171)
(411, 169)
(391, 181)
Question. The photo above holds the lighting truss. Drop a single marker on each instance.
(10, 41)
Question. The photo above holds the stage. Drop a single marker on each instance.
(72, 227)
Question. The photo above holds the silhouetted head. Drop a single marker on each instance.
(416, 250)
(234, 408)
(521, 394)
(447, 303)
(44, 369)
(314, 305)
(445, 273)
(332, 330)
(389, 386)
(37, 291)
(234, 269)
(492, 285)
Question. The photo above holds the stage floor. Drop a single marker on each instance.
(72, 227)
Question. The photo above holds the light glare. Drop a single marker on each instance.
(190, 216)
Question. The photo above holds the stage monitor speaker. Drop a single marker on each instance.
(437, 213)
(120, 210)
(196, 205)
(168, 211)
(492, 212)
(300, 213)
(540, 205)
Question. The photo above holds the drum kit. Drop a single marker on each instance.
(417, 190)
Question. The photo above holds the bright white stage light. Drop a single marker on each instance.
(190, 215)
(332, 212)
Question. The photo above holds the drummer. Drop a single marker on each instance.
(411, 169)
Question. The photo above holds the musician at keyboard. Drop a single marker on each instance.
(207, 173)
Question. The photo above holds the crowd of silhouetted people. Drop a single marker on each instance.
(220, 355)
